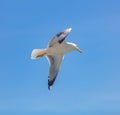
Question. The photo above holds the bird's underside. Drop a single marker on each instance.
(56, 49)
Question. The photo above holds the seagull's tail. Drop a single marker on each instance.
(37, 53)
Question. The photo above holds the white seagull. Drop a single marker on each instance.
(56, 49)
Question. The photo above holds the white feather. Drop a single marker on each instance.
(37, 52)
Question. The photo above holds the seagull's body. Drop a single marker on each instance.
(56, 49)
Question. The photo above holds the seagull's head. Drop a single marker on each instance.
(78, 49)
(73, 46)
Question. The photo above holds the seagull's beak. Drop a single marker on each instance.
(79, 50)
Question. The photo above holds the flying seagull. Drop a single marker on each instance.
(55, 51)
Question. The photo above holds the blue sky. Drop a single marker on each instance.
(87, 84)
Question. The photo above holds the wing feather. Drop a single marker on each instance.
(59, 38)
(55, 62)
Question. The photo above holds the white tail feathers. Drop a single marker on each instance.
(36, 53)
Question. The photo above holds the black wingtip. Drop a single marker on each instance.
(49, 87)
(60, 41)
(59, 34)
(51, 82)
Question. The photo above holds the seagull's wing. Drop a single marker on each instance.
(59, 38)
(55, 62)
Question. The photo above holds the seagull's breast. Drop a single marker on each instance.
(58, 49)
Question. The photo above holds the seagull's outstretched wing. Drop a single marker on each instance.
(55, 62)
(60, 37)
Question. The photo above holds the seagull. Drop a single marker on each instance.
(55, 51)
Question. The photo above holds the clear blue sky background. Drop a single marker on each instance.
(87, 84)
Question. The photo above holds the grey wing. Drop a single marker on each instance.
(58, 39)
(55, 62)
(53, 41)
